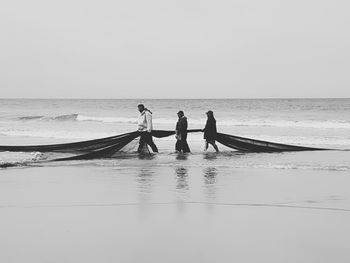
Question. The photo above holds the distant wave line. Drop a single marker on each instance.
(317, 124)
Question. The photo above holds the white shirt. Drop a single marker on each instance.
(144, 122)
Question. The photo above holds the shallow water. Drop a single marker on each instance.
(322, 123)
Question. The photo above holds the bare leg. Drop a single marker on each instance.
(214, 145)
(206, 146)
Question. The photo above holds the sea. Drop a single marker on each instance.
(229, 206)
(322, 123)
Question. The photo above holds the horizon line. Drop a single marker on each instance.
(242, 98)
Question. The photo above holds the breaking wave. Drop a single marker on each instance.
(11, 164)
(107, 119)
(56, 134)
(66, 117)
(18, 159)
(29, 118)
(329, 124)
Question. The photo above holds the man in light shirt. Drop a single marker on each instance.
(145, 127)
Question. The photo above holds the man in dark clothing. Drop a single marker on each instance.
(210, 131)
(181, 134)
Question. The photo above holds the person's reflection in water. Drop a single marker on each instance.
(145, 180)
(210, 174)
(210, 156)
(181, 178)
(146, 155)
(144, 183)
(182, 187)
(182, 156)
(210, 188)
(181, 173)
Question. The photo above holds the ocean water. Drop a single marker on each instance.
(199, 207)
(308, 122)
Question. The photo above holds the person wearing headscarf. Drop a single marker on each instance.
(210, 131)
(181, 134)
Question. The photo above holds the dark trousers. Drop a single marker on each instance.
(146, 138)
(181, 145)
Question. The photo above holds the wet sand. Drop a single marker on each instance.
(178, 211)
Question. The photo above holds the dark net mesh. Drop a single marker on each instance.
(109, 146)
(251, 145)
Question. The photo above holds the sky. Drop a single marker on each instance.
(174, 49)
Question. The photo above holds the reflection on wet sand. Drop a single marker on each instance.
(182, 156)
(145, 182)
(210, 156)
(182, 187)
(181, 178)
(146, 156)
(210, 174)
(210, 177)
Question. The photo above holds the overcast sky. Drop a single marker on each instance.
(174, 49)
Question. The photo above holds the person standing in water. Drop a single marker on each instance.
(210, 131)
(145, 127)
(181, 134)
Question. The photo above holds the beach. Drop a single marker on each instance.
(90, 213)
(168, 207)
(98, 99)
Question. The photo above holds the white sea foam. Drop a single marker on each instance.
(107, 119)
(244, 122)
(66, 117)
(55, 134)
(329, 124)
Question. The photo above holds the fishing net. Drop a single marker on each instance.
(127, 142)
(252, 145)
(76, 147)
